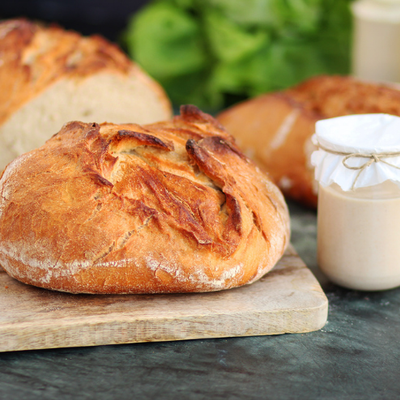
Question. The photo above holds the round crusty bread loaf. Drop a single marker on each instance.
(276, 129)
(49, 76)
(169, 207)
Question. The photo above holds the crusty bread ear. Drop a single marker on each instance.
(49, 76)
(275, 129)
(168, 207)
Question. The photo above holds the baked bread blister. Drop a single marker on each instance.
(168, 207)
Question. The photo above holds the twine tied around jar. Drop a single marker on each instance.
(373, 157)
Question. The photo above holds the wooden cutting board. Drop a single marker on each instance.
(287, 300)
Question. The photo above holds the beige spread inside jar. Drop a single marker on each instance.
(357, 166)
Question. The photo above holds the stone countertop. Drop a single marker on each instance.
(355, 356)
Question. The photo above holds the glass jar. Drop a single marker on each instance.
(358, 230)
(376, 40)
(359, 236)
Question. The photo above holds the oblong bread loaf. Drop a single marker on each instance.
(275, 129)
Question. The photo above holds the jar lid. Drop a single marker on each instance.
(357, 150)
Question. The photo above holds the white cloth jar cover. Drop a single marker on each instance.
(357, 151)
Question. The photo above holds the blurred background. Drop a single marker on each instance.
(212, 53)
(106, 17)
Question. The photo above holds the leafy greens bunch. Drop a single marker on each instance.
(213, 52)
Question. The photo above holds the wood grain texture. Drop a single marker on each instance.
(287, 300)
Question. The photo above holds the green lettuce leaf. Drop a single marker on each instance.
(229, 42)
(208, 52)
(166, 41)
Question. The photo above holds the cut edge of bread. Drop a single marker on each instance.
(105, 96)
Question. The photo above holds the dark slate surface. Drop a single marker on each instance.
(355, 356)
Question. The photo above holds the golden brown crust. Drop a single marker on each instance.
(276, 129)
(167, 207)
(334, 96)
(34, 56)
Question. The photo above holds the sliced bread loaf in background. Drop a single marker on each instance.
(49, 76)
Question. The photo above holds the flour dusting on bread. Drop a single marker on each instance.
(167, 207)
